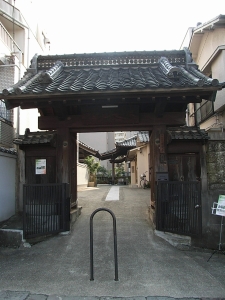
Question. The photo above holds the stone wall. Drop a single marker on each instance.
(216, 165)
(212, 186)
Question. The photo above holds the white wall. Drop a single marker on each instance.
(7, 186)
(28, 119)
(218, 71)
(209, 43)
(142, 163)
(82, 174)
(32, 40)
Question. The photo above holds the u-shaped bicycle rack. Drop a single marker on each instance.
(91, 243)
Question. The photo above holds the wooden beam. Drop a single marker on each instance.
(110, 114)
(160, 107)
(79, 123)
(177, 95)
(63, 155)
(60, 110)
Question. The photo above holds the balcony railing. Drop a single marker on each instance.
(6, 115)
(11, 12)
(8, 40)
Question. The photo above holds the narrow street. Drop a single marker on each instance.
(148, 265)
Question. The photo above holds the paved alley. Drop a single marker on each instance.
(147, 265)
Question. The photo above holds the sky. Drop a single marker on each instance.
(88, 26)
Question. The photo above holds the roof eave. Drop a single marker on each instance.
(19, 99)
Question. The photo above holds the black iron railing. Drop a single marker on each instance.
(46, 209)
(179, 207)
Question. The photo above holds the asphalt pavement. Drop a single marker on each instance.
(149, 268)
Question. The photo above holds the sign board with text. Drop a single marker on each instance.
(219, 207)
(40, 166)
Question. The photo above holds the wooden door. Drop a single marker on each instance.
(184, 167)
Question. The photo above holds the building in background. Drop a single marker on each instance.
(206, 42)
(20, 38)
(105, 141)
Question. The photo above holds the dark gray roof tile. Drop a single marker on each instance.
(89, 149)
(131, 142)
(143, 136)
(136, 71)
(187, 133)
(32, 138)
(8, 150)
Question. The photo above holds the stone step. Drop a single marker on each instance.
(179, 241)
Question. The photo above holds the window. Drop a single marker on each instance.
(203, 110)
(5, 115)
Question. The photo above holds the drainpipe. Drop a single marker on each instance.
(28, 47)
(18, 108)
(20, 62)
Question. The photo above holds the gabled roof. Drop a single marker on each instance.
(87, 150)
(94, 74)
(120, 150)
(49, 137)
(131, 142)
(196, 36)
(217, 22)
(187, 133)
(39, 137)
(143, 136)
(162, 76)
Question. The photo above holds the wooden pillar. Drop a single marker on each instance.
(113, 173)
(74, 171)
(66, 159)
(158, 162)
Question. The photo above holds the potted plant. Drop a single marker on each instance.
(92, 166)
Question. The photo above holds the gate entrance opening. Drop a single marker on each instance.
(110, 92)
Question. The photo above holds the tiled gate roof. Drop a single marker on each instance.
(76, 73)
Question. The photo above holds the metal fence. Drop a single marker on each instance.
(179, 207)
(46, 209)
(6, 115)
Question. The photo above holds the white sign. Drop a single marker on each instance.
(220, 209)
(40, 166)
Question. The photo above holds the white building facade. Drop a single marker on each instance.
(19, 41)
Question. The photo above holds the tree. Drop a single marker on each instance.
(92, 166)
(102, 171)
(119, 170)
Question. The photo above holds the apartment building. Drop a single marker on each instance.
(19, 41)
